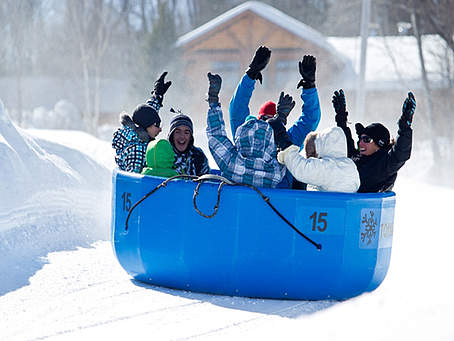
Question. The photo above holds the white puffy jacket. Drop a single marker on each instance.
(331, 171)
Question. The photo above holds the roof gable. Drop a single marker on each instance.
(268, 13)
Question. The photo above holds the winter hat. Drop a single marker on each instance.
(377, 131)
(267, 110)
(145, 116)
(178, 121)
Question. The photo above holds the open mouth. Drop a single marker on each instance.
(181, 144)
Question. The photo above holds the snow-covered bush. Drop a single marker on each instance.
(64, 115)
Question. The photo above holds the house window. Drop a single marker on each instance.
(286, 72)
(228, 70)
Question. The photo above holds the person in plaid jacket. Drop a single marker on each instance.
(252, 158)
(131, 140)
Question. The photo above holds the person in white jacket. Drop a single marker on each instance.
(326, 166)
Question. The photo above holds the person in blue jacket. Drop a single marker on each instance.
(310, 115)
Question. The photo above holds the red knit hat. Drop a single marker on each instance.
(267, 110)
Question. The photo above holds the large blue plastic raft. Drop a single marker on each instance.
(246, 249)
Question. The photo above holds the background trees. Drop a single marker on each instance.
(81, 45)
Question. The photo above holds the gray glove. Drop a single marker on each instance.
(214, 88)
(284, 107)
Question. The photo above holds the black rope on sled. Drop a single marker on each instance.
(162, 184)
(223, 181)
(267, 200)
(216, 207)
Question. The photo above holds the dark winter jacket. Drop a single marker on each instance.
(192, 161)
(378, 171)
(130, 144)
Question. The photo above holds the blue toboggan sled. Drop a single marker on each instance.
(266, 243)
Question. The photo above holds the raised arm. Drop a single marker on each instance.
(157, 95)
(310, 112)
(339, 105)
(239, 104)
(401, 150)
(221, 148)
(284, 107)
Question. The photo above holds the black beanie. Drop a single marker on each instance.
(145, 116)
(178, 121)
(377, 131)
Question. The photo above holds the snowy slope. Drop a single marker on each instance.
(52, 197)
(61, 281)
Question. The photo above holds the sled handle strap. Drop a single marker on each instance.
(223, 181)
(162, 184)
(207, 177)
(265, 198)
(216, 207)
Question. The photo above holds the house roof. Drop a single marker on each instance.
(267, 12)
(393, 61)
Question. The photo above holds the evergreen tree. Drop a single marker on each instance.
(157, 53)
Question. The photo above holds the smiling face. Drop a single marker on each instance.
(367, 146)
(181, 137)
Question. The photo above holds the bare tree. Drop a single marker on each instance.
(91, 24)
(18, 21)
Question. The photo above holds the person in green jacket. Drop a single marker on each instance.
(160, 159)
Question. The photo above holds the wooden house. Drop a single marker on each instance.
(226, 45)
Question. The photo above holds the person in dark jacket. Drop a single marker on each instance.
(310, 114)
(189, 160)
(131, 140)
(378, 159)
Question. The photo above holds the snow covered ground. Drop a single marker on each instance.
(60, 280)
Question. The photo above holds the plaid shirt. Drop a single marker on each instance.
(130, 150)
(130, 142)
(252, 159)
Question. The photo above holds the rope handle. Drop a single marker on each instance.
(224, 181)
(207, 177)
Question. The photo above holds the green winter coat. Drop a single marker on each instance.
(160, 158)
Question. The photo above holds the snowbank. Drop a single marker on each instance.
(53, 196)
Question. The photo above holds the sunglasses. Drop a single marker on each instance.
(365, 139)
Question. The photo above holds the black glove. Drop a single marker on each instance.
(261, 58)
(340, 108)
(284, 106)
(160, 87)
(281, 137)
(307, 70)
(214, 88)
(408, 110)
(359, 128)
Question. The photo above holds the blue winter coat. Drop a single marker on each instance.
(307, 122)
